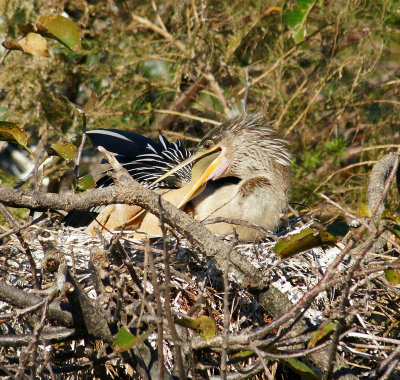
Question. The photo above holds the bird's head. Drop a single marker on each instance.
(242, 147)
(249, 147)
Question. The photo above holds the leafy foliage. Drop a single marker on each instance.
(326, 73)
(331, 93)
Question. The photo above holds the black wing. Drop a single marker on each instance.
(144, 159)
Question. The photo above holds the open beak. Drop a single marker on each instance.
(202, 171)
(209, 164)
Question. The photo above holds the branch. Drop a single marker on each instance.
(128, 191)
(378, 186)
(53, 335)
(181, 103)
(60, 311)
(161, 31)
(380, 179)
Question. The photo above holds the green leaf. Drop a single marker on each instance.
(63, 149)
(84, 183)
(243, 354)
(303, 241)
(387, 215)
(90, 103)
(365, 211)
(302, 369)
(295, 15)
(11, 132)
(394, 229)
(203, 325)
(298, 366)
(321, 334)
(88, 107)
(393, 275)
(62, 29)
(124, 340)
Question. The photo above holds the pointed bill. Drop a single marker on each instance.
(209, 164)
(194, 157)
(208, 167)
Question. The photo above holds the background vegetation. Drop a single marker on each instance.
(177, 68)
(334, 96)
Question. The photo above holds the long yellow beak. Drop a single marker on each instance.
(209, 164)
(194, 157)
(201, 171)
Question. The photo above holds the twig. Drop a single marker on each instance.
(60, 311)
(142, 294)
(289, 102)
(341, 323)
(368, 226)
(227, 318)
(81, 146)
(187, 116)
(377, 210)
(161, 31)
(317, 90)
(341, 170)
(23, 226)
(15, 225)
(171, 324)
(38, 160)
(182, 102)
(373, 337)
(30, 353)
(271, 69)
(219, 94)
(3, 57)
(158, 18)
(159, 320)
(387, 366)
(354, 151)
(55, 334)
(94, 320)
(247, 89)
(259, 353)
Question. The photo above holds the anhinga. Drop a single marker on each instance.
(240, 170)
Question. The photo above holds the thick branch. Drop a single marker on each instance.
(377, 181)
(60, 311)
(380, 179)
(53, 335)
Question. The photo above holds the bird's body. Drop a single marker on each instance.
(240, 171)
(256, 186)
(230, 201)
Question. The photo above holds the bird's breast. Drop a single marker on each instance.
(254, 200)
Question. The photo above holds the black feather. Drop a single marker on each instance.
(144, 159)
(123, 143)
(80, 218)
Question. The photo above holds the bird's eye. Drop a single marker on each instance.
(208, 144)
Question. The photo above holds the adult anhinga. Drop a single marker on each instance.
(240, 170)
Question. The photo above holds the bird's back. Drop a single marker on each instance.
(144, 159)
